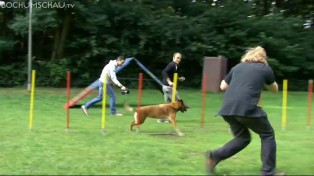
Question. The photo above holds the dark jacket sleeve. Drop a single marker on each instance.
(228, 77)
(166, 71)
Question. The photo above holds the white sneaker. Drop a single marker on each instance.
(117, 115)
(84, 110)
(163, 121)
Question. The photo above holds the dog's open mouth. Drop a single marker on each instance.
(184, 108)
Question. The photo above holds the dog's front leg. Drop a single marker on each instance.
(172, 118)
(179, 132)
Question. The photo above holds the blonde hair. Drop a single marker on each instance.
(257, 55)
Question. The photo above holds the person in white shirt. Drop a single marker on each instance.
(109, 71)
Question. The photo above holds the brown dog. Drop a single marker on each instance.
(160, 111)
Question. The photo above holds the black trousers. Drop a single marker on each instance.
(239, 127)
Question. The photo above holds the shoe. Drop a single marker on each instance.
(117, 114)
(280, 174)
(210, 163)
(84, 110)
(163, 121)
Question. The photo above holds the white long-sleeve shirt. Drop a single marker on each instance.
(110, 71)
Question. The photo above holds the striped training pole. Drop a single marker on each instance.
(284, 104)
(203, 99)
(31, 113)
(68, 99)
(104, 96)
(174, 88)
(139, 98)
(309, 109)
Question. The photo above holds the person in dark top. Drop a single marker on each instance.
(167, 79)
(243, 86)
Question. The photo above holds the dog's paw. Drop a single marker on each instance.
(181, 134)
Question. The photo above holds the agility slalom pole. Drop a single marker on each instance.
(139, 98)
(203, 99)
(309, 109)
(174, 88)
(31, 113)
(104, 96)
(68, 99)
(284, 103)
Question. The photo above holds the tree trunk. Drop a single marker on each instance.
(266, 8)
(64, 33)
(55, 44)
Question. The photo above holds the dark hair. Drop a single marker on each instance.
(120, 58)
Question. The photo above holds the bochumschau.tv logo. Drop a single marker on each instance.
(37, 4)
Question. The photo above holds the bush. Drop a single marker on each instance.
(13, 75)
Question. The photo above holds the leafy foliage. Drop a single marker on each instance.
(85, 38)
(12, 75)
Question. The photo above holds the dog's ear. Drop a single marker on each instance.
(177, 104)
(180, 102)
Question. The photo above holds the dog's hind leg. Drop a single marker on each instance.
(131, 125)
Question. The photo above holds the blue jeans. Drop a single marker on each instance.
(111, 94)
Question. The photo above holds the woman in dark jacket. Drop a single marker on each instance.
(243, 86)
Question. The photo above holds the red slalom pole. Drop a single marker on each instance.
(139, 98)
(68, 98)
(309, 109)
(203, 99)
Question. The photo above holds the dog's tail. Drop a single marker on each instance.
(128, 108)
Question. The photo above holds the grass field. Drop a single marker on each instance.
(83, 150)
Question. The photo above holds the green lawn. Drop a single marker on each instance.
(83, 149)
